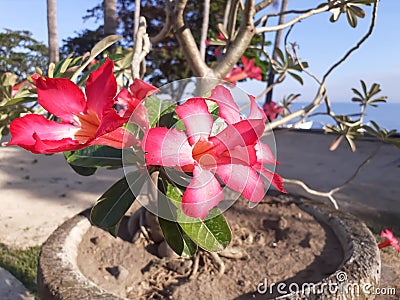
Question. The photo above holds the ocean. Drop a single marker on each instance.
(386, 115)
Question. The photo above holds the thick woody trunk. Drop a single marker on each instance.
(110, 17)
(52, 31)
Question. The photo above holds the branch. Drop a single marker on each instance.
(187, 42)
(321, 95)
(306, 15)
(167, 26)
(204, 29)
(239, 44)
(141, 48)
(312, 191)
(263, 4)
(360, 42)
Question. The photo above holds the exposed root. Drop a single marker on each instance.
(217, 259)
(195, 266)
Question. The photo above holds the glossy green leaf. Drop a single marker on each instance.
(96, 156)
(114, 203)
(97, 49)
(177, 239)
(213, 234)
(156, 108)
(84, 171)
(113, 230)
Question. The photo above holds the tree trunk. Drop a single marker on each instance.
(204, 29)
(110, 17)
(52, 31)
(278, 35)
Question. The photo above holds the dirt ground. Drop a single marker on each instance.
(277, 241)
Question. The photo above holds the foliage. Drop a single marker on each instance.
(166, 61)
(20, 53)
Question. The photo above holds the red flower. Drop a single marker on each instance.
(272, 110)
(235, 155)
(249, 71)
(84, 121)
(390, 240)
(130, 102)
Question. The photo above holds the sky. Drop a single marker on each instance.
(321, 44)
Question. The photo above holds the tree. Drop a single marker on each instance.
(110, 17)
(166, 61)
(52, 30)
(20, 53)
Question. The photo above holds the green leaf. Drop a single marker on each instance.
(177, 239)
(213, 234)
(296, 77)
(357, 11)
(114, 203)
(156, 108)
(20, 100)
(97, 49)
(96, 156)
(351, 18)
(113, 230)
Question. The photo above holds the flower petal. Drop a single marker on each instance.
(119, 138)
(141, 89)
(228, 109)
(101, 88)
(244, 180)
(60, 96)
(167, 147)
(109, 122)
(196, 118)
(256, 111)
(275, 179)
(243, 133)
(203, 193)
(133, 109)
(39, 135)
(264, 154)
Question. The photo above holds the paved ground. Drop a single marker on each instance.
(39, 192)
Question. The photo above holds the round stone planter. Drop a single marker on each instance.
(60, 278)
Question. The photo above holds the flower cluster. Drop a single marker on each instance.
(82, 121)
(236, 156)
(249, 70)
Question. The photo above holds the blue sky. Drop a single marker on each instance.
(321, 44)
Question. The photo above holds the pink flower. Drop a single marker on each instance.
(272, 110)
(130, 102)
(235, 155)
(84, 122)
(390, 240)
(249, 71)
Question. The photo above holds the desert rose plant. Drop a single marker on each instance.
(186, 149)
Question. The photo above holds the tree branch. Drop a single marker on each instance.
(141, 48)
(187, 42)
(239, 44)
(167, 26)
(204, 29)
(263, 4)
(306, 15)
